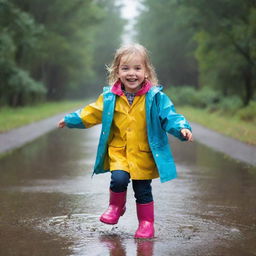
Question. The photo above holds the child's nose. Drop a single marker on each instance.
(131, 72)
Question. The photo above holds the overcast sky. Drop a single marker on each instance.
(129, 11)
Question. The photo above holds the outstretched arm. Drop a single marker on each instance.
(85, 117)
(172, 122)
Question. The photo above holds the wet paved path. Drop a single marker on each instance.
(227, 145)
(50, 204)
(20, 136)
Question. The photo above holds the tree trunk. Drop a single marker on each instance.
(248, 85)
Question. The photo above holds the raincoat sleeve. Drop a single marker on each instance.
(86, 117)
(171, 121)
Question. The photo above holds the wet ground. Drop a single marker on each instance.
(50, 205)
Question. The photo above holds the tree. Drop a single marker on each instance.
(108, 37)
(225, 31)
(53, 44)
(19, 33)
(161, 30)
(65, 56)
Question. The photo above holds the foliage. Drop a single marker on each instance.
(206, 98)
(187, 95)
(19, 34)
(205, 42)
(248, 113)
(52, 44)
(107, 40)
(225, 33)
(161, 30)
(230, 105)
(209, 101)
(22, 89)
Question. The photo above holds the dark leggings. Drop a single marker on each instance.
(142, 188)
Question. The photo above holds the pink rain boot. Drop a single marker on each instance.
(115, 209)
(145, 213)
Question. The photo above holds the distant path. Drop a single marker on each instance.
(20, 136)
(227, 145)
(234, 148)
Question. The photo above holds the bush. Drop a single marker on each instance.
(208, 98)
(17, 88)
(230, 104)
(188, 95)
(182, 95)
(212, 100)
(248, 113)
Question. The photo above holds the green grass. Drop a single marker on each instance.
(225, 124)
(11, 118)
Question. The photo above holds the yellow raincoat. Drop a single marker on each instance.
(128, 147)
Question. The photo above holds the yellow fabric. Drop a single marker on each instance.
(92, 113)
(128, 147)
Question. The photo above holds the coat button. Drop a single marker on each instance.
(157, 155)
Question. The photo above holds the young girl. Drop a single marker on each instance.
(135, 116)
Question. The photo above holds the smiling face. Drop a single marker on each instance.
(132, 72)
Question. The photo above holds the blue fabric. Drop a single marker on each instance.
(142, 191)
(73, 120)
(107, 118)
(142, 188)
(161, 118)
(119, 181)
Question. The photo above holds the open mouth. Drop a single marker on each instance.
(132, 80)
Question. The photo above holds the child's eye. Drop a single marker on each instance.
(138, 68)
(124, 68)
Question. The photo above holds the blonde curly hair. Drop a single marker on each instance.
(129, 51)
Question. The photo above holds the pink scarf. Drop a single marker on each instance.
(117, 88)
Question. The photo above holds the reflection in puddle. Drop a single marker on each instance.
(145, 248)
(85, 231)
(114, 244)
(117, 246)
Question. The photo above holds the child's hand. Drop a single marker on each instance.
(61, 123)
(187, 134)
